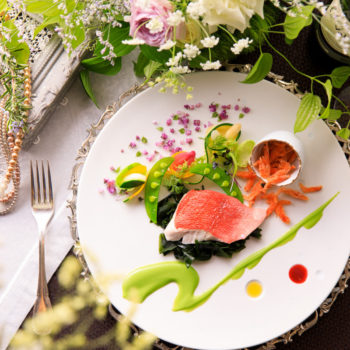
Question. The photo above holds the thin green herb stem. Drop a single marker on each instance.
(273, 31)
(286, 59)
(228, 33)
(342, 103)
(290, 63)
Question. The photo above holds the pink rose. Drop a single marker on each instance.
(157, 10)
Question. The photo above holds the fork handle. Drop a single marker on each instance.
(42, 302)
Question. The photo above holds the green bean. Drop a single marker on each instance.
(152, 188)
(218, 176)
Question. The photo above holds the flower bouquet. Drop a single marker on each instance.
(177, 37)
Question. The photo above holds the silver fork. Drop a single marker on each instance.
(43, 209)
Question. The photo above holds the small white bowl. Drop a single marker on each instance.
(288, 138)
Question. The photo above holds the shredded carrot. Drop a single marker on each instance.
(249, 174)
(309, 189)
(249, 185)
(293, 193)
(275, 164)
(279, 210)
(272, 200)
(254, 193)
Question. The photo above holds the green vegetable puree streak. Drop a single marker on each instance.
(145, 280)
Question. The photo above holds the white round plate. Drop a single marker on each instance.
(117, 237)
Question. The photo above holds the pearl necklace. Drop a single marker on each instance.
(11, 143)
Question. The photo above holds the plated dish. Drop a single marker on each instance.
(120, 237)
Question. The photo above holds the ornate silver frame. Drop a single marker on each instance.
(81, 157)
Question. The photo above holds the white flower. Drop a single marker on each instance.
(180, 69)
(210, 42)
(234, 13)
(241, 44)
(191, 51)
(195, 9)
(134, 41)
(174, 61)
(167, 45)
(155, 25)
(211, 65)
(175, 18)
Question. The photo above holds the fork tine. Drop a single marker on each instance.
(32, 184)
(38, 182)
(45, 199)
(50, 183)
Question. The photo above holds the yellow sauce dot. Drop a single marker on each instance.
(254, 289)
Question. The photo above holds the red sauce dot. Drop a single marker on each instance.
(298, 273)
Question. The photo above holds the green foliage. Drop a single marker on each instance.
(85, 79)
(152, 54)
(19, 50)
(308, 111)
(115, 36)
(340, 75)
(301, 18)
(140, 65)
(99, 65)
(151, 68)
(260, 69)
(334, 114)
(344, 133)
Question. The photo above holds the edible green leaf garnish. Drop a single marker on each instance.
(203, 250)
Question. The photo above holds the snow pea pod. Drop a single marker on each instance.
(218, 176)
(152, 188)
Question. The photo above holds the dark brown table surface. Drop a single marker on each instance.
(332, 331)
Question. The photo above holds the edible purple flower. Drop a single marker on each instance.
(223, 115)
(132, 144)
(212, 107)
(164, 136)
(196, 122)
(245, 109)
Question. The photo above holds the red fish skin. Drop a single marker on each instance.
(225, 217)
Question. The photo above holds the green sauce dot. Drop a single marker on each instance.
(157, 173)
(225, 183)
(163, 165)
(233, 193)
(154, 184)
(216, 176)
(152, 198)
(206, 171)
